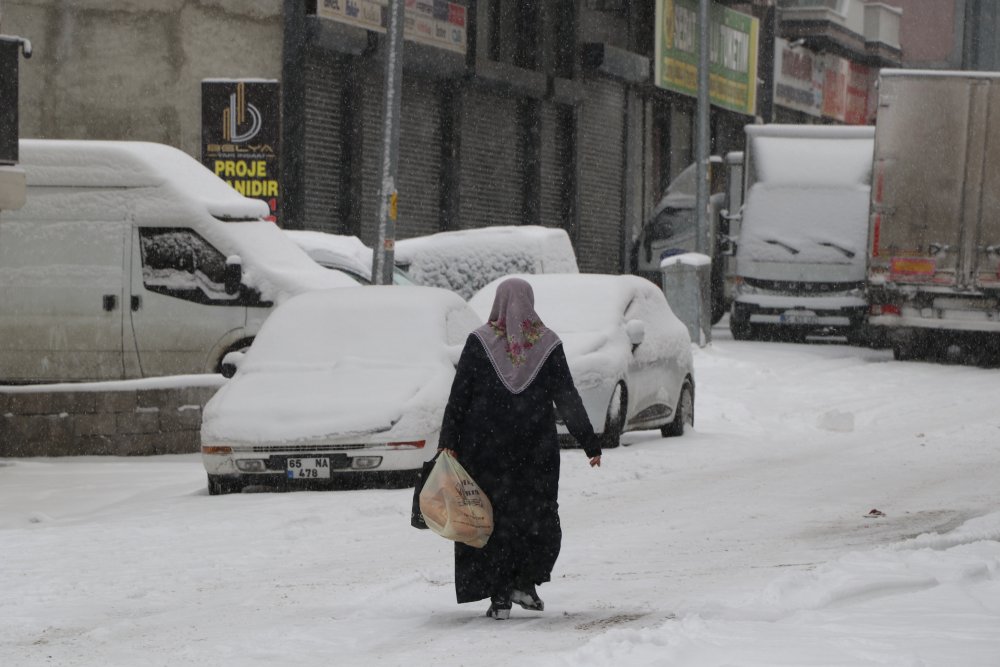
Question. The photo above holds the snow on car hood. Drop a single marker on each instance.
(595, 358)
(360, 400)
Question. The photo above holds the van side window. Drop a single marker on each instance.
(178, 262)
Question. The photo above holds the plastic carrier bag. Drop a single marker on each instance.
(453, 505)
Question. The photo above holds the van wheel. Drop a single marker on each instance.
(221, 485)
(614, 423)
(683, 416)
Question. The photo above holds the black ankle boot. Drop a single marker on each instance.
(499, 608)
(527, 598)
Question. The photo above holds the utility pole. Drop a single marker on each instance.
(382, 256)
(702, 143)
(703, 244)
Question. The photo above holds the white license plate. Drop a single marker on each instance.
(308, 468)
(799, 317)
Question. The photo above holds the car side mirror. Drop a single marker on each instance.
(234, 274)
(636, 330)
(231, 363)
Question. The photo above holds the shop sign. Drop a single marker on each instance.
(860, 94)
(795, 84)
(240, 132)
(435, 23)
(733, 38)
(833, 73)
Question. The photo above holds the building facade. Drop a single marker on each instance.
(541, 113)
(513, 111)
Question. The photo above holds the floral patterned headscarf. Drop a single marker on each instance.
(515, 339)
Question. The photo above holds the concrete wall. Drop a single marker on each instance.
(132, 69)
(121, 422)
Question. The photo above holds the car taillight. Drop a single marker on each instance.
(408, 444)
(885, 309)
(216, 449)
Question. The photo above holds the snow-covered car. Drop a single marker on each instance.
(629, 354)
(464, 261)
(344, 253)
(338, 382)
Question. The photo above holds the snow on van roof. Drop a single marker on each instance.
(80, 163)
(464, 261)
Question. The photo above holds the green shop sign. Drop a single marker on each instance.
(732, 53)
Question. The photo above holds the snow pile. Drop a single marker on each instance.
(345, 363)
(934, 600)
(465, 261)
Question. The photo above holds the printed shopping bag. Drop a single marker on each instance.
(454, 506)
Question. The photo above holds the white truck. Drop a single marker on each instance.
(934, 253)
(799, 265)
(132, 260)
(671, 229)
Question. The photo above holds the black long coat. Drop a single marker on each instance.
(507, 442)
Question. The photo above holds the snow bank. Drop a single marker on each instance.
(465, 261)
(933, 600)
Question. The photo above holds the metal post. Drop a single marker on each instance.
(292, 166)
(702, 142)
(382, 259)
(703, 244)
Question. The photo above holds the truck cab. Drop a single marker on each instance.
(800, 254)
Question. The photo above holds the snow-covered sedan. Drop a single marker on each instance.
(338, 382)
(629, 354)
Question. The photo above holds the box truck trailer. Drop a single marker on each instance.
(934, 252)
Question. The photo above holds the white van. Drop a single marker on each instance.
(132, 260)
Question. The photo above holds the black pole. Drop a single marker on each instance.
(291, 213)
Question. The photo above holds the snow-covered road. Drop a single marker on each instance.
(746, 542)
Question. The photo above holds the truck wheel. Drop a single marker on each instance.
(910, 345)
(220, 485)
(741, 328)
(614, 423)
(683, 416)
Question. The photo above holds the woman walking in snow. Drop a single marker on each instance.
(501, 425)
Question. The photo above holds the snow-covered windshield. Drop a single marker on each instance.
(805, 224)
